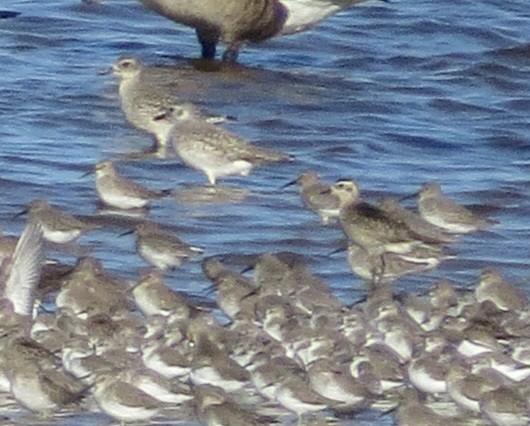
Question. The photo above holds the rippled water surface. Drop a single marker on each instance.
(389, 94)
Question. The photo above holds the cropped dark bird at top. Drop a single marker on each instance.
(238, 22)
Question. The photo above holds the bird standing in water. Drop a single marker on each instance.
(238, 22)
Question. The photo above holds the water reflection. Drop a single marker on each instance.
(207, 194)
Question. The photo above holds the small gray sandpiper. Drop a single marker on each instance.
(119, 192)
(57, 226)
(160, 248)
(443, 212)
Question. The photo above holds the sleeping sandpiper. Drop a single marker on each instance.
(427, 372)
(466, 389)
(443, 212)
(90, 290)
(265, 369)
(215, 407)
(236, 24)
(334, 381)
(508, 367)
(234, 290)
(380, 362)
(57, 226)
(277, 315)
(73, 352)
(493, 289)
(478, 341)
(520, 349)
(154, 297)
(505, 406)
(119, 192)
(160, 248)
(212, 366)
(156, 385)
(168, 361)
(43, 391)
(297, 395)
(122, 401)
(269, 275)
(316, 196)
(413, 411)
(211, 149)
(442, 295)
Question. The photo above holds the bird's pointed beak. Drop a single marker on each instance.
(22, 212)
(84, 175)
(131, 231)
(288, 184)
(337, 250)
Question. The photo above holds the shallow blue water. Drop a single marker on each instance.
(390, 94)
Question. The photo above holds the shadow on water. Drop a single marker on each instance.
(217, 81)
(5, 14)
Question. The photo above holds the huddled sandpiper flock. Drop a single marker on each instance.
(286, 348)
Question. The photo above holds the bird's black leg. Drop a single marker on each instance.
(208, 42)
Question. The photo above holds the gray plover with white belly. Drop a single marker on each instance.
(144, 96)
(237, 23)
(119, 192)
(369, 226)
(142, 101)
(211, 149)
(443, 212)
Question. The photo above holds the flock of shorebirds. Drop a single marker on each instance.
(138, 351)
